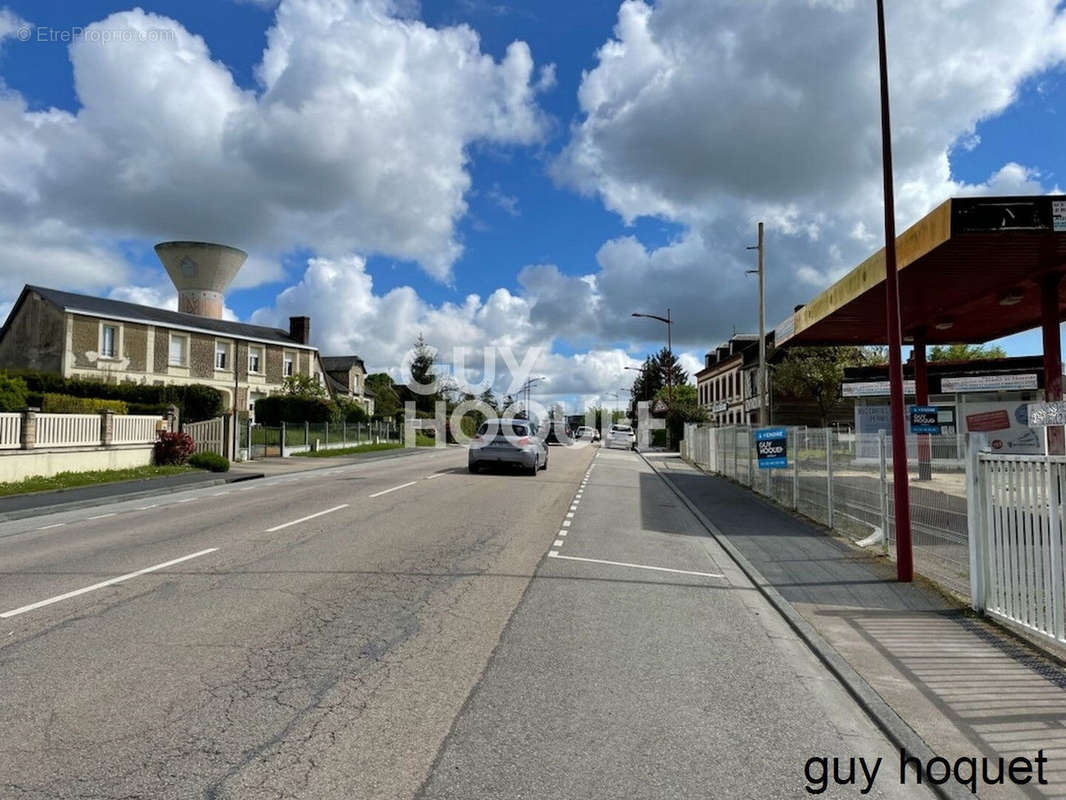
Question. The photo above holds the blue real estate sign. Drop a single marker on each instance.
(771, 445)
(924, 419)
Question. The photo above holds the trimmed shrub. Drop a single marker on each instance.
(195, 401)
(13, 392)
(278, 408)
(200, 402)
(173, 448)
(68, 404)
(209, 461)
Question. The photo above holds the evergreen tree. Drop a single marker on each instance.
(422, 372)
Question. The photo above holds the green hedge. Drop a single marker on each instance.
(68, 404)
(13, 392)
(278, 408)
(195, 402)
(209, 461)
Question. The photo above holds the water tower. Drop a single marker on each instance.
(201, 271)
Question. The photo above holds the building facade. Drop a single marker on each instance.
(726, 386)
(92, 337)
(346, 377)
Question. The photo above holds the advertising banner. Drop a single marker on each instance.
(1006, 425)
(771, 446)
(925, 419)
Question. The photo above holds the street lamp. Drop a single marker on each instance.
(669, 349)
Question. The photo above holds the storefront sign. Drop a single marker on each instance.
(1043, 414)
(989, 383)
(872, 389)
(771, 445)
(1058, 214)
(925, 419)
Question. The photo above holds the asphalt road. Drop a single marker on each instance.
(376, 631)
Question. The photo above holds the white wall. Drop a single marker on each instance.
(15, 465)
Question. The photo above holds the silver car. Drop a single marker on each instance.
(508, 443)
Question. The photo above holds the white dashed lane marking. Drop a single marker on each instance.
(102, 584)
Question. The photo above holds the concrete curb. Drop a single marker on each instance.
(74, 505)
(883, 715)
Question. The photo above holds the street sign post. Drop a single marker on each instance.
(771, 446)
(925, 419)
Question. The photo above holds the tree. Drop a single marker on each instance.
(422, 372)
(658, 371)
(303, 386)
(965, 352)
(683, 407)
(489, 399)
(815, 373)
(386, 401)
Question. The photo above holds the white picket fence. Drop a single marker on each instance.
(10, 431)
(1018, 546)
(134, 429)
(67, 430)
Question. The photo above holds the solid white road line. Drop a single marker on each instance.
(53, 525)
(304, 519)
(553, 554)
(394, 488)
(434, 475)
(189, 500)
(145, 508)
(101, 516)
(102, 584)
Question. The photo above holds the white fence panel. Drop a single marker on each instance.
(10, 431)
(1021, 526)
(68, 430)
(134, 429)
(208, 435)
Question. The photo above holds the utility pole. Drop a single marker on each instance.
(761, 386)
(904, 552)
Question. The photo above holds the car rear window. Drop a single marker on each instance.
(622, 429)
(492, 429)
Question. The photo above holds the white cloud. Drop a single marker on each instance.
(355, 141)
(10, 23)
(770, 111)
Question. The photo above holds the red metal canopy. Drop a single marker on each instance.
(968, 272)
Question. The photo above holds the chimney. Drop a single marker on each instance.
(300, 329)
(201, 271)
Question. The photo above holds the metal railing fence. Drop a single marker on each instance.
(844, 481)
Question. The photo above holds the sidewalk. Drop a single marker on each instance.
(963, 685)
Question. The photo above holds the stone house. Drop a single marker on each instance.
(346, 377)
(76, 335)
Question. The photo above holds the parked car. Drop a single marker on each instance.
(559, 433)
(621, 435)
(508, 443)
(589, 433)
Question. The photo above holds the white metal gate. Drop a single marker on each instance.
(209, 435)
(1017, 545)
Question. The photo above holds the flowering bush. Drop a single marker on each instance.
(173, 448)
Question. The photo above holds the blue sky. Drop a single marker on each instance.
(563, 185)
